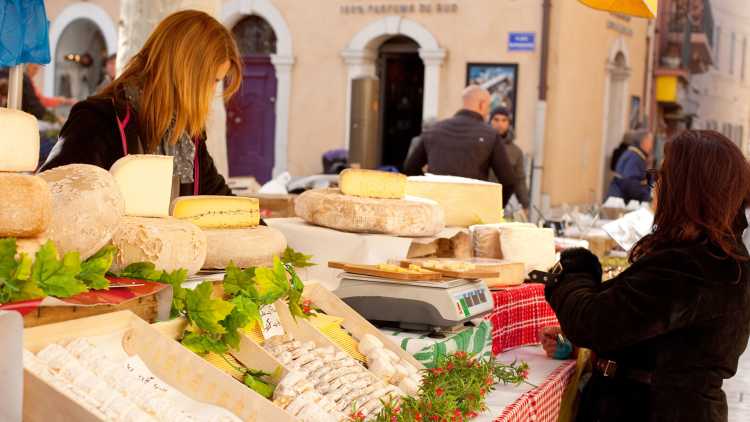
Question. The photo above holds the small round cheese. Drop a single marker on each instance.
(26, 205)
(409, 386)
(382, 368)
(248, 247)
(369, 344)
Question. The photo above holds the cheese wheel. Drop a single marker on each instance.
(86, 208)
(25, 207)
(465, 201)
(397, 217)
(218, 212)
(372, 184)
(19, 141)
(250, 247)
(146, 183)
(170, 244)
(532, 246)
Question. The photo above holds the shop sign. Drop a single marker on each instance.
(521, 41)
(620, 28)
(399, 8)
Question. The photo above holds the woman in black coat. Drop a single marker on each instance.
(160, 104)
(669, 329)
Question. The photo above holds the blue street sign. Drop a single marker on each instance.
(521, 41)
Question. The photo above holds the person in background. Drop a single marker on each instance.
(500, 120)
(428, 123)
(159, 104)
(630, 181)
(32, 70)
(109, 72)
(670, 329)
(464, 145)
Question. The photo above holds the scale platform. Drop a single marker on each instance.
(421, 305)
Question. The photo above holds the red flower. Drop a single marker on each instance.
(439, 392)
(489, 380)
(434, 418)
(460, 355)
(472, 414)
(449, 366)
(394, 418)
(524, 374)
(482, 392)
(418, 416)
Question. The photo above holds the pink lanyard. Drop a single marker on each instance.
(196, 163)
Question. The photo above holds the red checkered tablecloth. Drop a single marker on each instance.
(520, 312)
(542, 404)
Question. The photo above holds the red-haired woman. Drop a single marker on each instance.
(671, 328)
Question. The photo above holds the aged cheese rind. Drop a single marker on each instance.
(330, 208)
(249, 247)
(170, 244)
(217, 212)
(372, 184)
(19, 141)
(146, 184)
(25, 205)
(466, 202)
(534, 247)
(86, 208)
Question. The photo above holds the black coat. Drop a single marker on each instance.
(463, 145)
(91, 136)
(680, 315)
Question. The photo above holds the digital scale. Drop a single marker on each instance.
(416, 305)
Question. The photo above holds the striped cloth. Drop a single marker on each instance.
(473, 340)
(520, 313)
(541, 404)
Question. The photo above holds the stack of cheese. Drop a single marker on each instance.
(108, 389)
(231, 226)
(516, 242)
(339, 383)
(147, 233)
(465, 201)
(389, 367)
(371, 201)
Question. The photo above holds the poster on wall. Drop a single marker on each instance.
(500, 79)
(635, 112)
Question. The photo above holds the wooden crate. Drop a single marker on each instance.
(145, 307)
(166, 358)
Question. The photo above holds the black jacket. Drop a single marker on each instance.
(463, 145)
(91, 136)
(680, 315)
(515, 156)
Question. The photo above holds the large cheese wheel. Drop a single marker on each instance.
(170, 244)
(86, 208)
(249, 247)
(466, 202)
(19, 140)
(398, 217)
(25, 205)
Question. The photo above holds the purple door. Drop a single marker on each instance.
(251, 120)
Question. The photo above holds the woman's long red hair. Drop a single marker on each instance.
(702, 191)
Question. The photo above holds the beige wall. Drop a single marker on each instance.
(54, 7)
(579, 50)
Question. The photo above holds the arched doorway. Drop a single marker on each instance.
(401, 74)
(251, 115)
(79, 58)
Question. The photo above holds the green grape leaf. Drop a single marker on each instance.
(205, 312)
(238, 281)
(272, 284)
(296, 259)
(244, 313)
(142, 271)
(202, 343)
(260, 387)
(179, 293)
(57, 277)
(94, 269)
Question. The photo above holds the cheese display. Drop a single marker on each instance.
(330, 208)
(388, 366)
(534, 247)
(333, 381)
(86, 208)
(245, 247)
(466, 202)
(168, 243)
(486, 239)
(372, 184)
(217, 212)
(19, 142)
(112, 389)
(146, 184)
(25, 205)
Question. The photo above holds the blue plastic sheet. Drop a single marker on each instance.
(24, 32)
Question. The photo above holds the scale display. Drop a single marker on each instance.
(467, 300)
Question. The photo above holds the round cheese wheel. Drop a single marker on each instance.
(26, 205)
(170, 244)
(251, 247)
(398, 217)
(86, 208)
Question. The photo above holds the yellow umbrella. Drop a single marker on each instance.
(640, 8)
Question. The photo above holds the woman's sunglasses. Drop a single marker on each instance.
(652, 177)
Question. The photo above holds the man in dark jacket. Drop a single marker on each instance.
(500, 120)
(630, 180)
(464, 145)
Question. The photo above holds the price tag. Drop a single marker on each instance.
(270, 323)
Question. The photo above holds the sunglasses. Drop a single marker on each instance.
(652, 177)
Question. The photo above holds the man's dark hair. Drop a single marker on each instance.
(500, 110)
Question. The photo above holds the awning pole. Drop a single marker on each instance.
(15, 86)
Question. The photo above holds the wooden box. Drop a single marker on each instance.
(166, 358)
(145, 307)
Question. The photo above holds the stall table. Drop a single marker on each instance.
(520, 313)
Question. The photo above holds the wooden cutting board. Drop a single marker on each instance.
(475, 274)
(374, 271)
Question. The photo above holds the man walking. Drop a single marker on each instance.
(464, 145)
(500, 121)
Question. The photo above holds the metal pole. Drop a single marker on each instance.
(15, 86)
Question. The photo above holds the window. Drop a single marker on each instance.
(717, 50)
(731, 54)
(744, 53)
